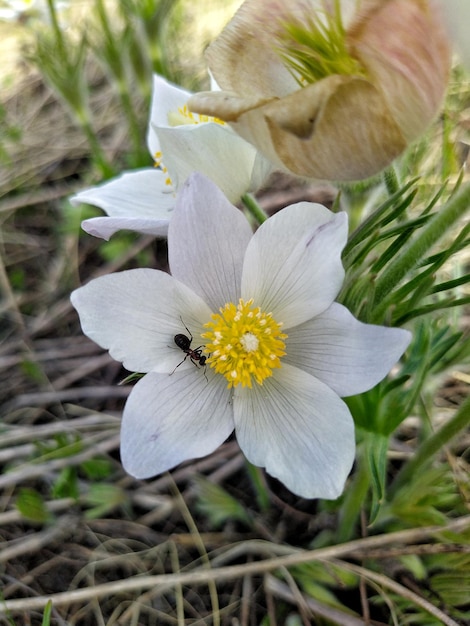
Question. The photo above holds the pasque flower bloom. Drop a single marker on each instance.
(329, 89)
(262, 347)
(180, 143)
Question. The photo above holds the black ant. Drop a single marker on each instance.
(184, 343)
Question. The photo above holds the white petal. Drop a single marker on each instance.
(293, 262)
(213, 150)
(137, 313)
(347, 355)
(169, 419)
(207, 239)
(8, 15)
(299, 430)
(105, 227)
(244, 56)
(166, 98)
(141, 194)
(262, 169)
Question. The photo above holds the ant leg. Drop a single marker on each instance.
(189, 332)
(198, 365)
(181, 363)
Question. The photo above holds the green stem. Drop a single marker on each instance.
(432, 445)
(57, 30)
(254, 208)
(391, 181)
(259, 484)
(134, 128)
(97, 153)
(412, 253)
(353, 502)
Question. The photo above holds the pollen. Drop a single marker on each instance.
(158, 162)
(244, 344)
(184, 116)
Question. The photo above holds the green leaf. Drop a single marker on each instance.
(415, 251)
(66, 484)
(218, 505)
(387, 212)
(376, 448)
(63, 445)
(46, 618)
(259, 484)
(425, 496)
(31, 505)
(97, 469)
(104, 498)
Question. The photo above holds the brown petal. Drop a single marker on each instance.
(244, 57)
(346, 134)
(405, 49)
(224, 105)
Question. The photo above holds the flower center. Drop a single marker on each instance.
(315, 46)
(184, 116)
(244, 343)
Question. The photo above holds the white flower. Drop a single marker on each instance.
(180, 143)
(279, 351)
(18, 10)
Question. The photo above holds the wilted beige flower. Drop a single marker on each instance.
(329, 89)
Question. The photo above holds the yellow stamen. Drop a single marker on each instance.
(244, 343)
(184, 116)
(158, 162)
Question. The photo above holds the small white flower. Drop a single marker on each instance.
(180, 142)
(21, 10)
(270, 354)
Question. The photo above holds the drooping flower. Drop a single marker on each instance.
(180, 143)
(244, 335)
(329, 89)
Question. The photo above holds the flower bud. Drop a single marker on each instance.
(329, 90)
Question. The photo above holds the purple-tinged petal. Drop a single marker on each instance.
(349, 356)
(293, 263)
(299, 430)
(137, 313)
(207, 239)
(169, 419)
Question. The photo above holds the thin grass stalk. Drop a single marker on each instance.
(431, 446)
